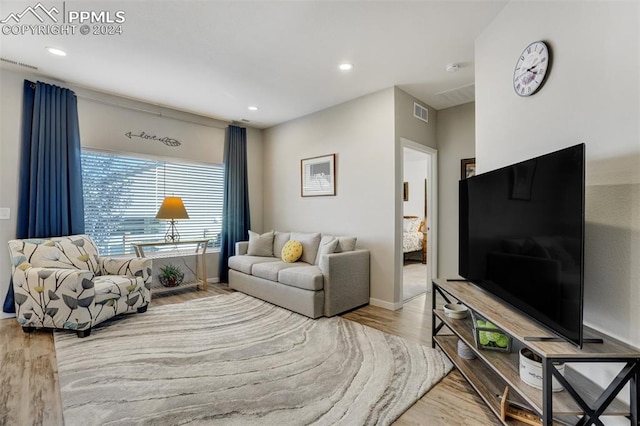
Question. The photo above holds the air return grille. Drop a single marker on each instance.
(19, 64)
(420, 112)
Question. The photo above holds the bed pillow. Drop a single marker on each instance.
(411, 224)
(260, 245)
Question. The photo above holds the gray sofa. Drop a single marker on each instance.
(331, 277)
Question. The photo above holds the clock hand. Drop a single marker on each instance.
(528, 70)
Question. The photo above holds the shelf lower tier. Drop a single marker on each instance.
(487, 384)
(506, 367)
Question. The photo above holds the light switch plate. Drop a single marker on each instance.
(5, 213)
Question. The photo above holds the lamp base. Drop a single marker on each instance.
(172, 235)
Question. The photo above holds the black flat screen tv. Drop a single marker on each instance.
(521, 236)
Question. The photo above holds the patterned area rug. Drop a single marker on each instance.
(236, 360)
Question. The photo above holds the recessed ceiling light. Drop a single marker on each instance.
(345, 67)
(253, 108)
(57, 52)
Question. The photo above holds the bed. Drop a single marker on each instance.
(414, 237)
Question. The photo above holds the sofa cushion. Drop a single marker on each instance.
(260, 245)
(269, 270)
(244, 263)
(327, 245)
(310, 244)
(279, 240)
(291, 251)
(305, 277)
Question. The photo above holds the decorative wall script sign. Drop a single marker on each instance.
(165, 140)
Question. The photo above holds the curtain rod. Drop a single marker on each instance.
(158, 113)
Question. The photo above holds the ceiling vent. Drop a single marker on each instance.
(19, 64)
(420, 112)
(459, 95)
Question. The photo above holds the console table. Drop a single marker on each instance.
(582, 401)
(201, 261)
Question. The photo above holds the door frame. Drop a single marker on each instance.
(432, 210)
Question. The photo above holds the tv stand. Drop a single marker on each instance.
(558, 339)
(582, 401)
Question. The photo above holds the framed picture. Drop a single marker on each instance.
(405, 188)
(318, 176)
(467, 168)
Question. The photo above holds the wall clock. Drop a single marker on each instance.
(531, 69)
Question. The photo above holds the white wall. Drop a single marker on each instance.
(103, 126)
(592, 95)
(456, 140)
(361, 134)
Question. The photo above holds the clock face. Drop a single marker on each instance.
(531, 69)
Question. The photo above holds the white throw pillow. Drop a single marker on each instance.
(327, 245)
(260, 245)
(279, 240)
(310, 243)
(345, 244)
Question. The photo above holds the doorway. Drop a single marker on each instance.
(419, 256)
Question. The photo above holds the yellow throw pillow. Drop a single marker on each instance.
(291, 251)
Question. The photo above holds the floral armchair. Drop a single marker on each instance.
(64, 283)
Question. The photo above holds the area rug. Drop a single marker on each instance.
(236, 360)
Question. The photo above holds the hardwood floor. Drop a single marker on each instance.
(30, 395)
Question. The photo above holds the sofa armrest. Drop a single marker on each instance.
(53, 297)
(241, 248)
(131, 267)
(346, 280)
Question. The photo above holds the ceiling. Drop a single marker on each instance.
(217, 58)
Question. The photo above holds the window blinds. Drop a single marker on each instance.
(122, 195)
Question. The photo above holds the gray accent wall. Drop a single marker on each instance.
(365, 134)
(361, 134)
(456, 140)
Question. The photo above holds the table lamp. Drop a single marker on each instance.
(171, 209)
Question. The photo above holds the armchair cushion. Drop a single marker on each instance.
(136, 267)
(114, 287)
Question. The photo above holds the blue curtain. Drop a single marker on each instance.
(50, 202)
(236, 220)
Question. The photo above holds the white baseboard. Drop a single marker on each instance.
(384, 304)
(215, 280)
(4, 315)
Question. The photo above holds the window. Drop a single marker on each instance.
(122, 195)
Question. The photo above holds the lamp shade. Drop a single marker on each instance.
(172, 208)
